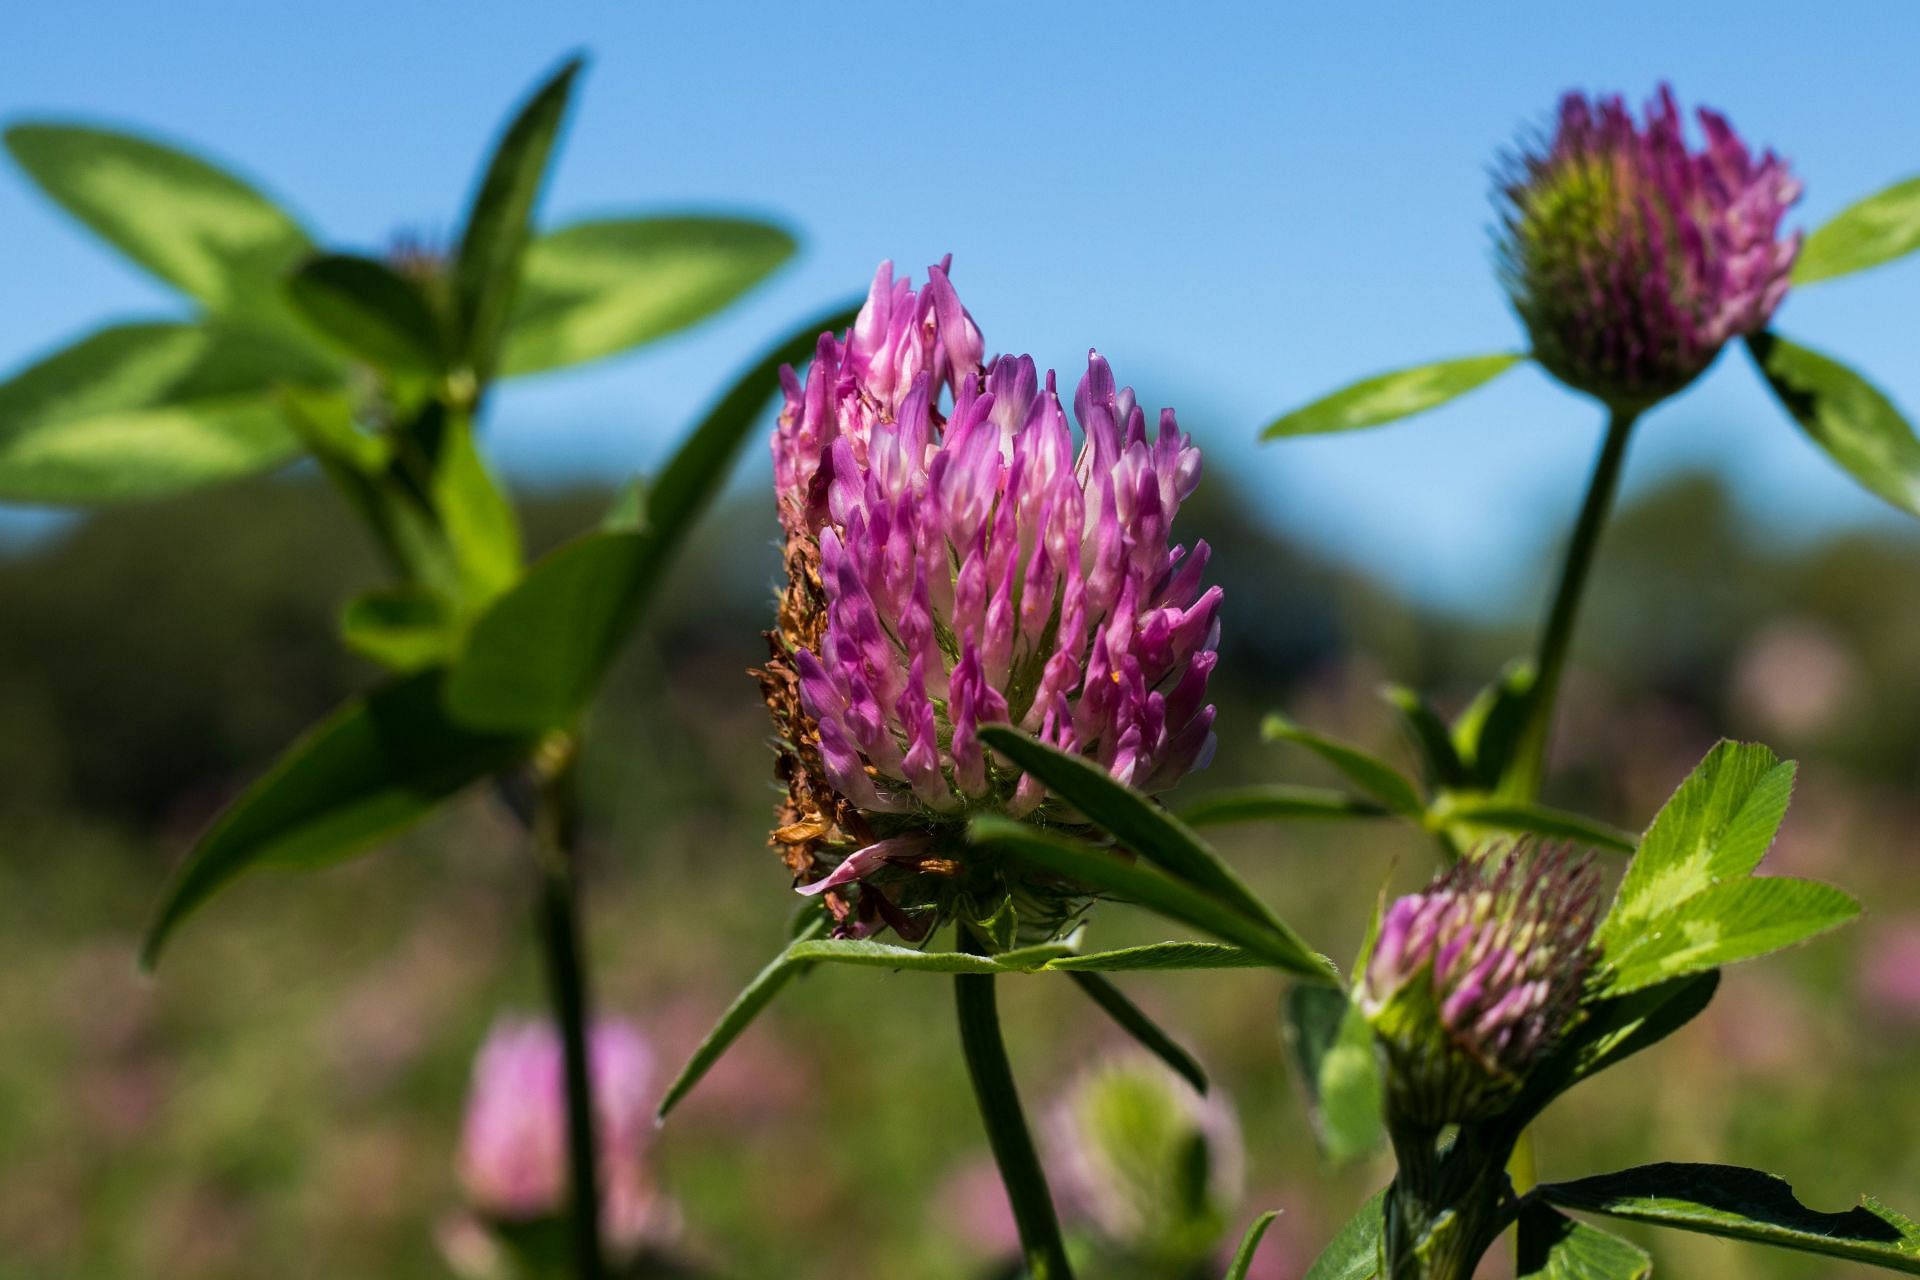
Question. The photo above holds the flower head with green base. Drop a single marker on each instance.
(1632, 258)
(952, 562)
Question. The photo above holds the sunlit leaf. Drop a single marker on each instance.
(1354, 1254)
(1553, 1246)
(1876, 230)
(1250, 1245)
(1129, 1017)
(1332, 1045)
(1739, 920)
(1391, 396)
(1487, 732)
(597, 288)
(402, 628)
(1613, 1029)
(1368, 772)
(1847, 416)
(195, 226)
(369, 311)
(1489, 813)
(1164, 956)
(1744, 1204)
(481, 527)
(376, 766)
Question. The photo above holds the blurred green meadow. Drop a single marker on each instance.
(285, 1098)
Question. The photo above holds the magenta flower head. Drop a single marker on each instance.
(1474, 980)
(954, 561)
(513, 1149)
(1633, 259)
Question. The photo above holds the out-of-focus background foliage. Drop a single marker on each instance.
(1244, 209)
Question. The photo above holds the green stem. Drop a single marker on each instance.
(999, 1100)
(561, 928)
(1524, 775)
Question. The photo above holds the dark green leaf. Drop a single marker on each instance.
(1744, 1204)
(1876, 230)
(500, 221)
(1332, 1045)
(374, 767)
(1845, 415)
(402, 628)
(194, 226)
(1164, 956)
(1439, 759)
(1134, 1021)
(1370, 773)
(598, 288)
(1553, 1246)
(1104, 871)
(1250, 1245)
(739, 1015)
(1476, 812)
(1613, 1030)
(1137, 822)
(1487, 733)
(1739, 920)
(142, 410)
(1276, 801)
(1389, 397)
(535, 659)
(369, 311)
(1354, 1254)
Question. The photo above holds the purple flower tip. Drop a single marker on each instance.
(1633, 258)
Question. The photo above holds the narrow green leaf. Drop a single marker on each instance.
(1487, 733)
(1368, 772)
(1479, 812)
(481, 527)
(739, 1015)
(1738, 920)
(1439, 758)
(369, 311)
(376, 766)
(1134, 1021)
(1250, 1245)
(1744, 1204)
(1613, 1030)
(1873, 231)
(143, 410)
(1105, 872)
(1553, 1246)
(1137, 822)
(1276, 801)
(1163, 956)
(1332, 1045)
(1389, 397)
(1847, 416)
(1354, 1254)
(884, 955)
(193, 225)
(598, 288)
(401, 628)
(500, 221)
(1717, 826)
(534, 660)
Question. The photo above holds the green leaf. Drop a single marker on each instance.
(597, 288)
(1274, 801)
(499, 224)
(1613, 1029)
(1332, 1045)
(1735, 921)
(1368, 772)
(1163, 956)
(535, 659)
(886, 955)
(194, 226)
(1845, 415)
(1744, 1204)
(1439, 759)
(143, 410)
(1250, 1245)
(369, 311)
(1717, 827)
(1391, 396)
(1135, 821)
(402, 628)
(481, 527)
(376, 766)
(1105, 872)
(1487, 733)
(1553, 1246)
(739, 1015)
(1874, 231)
(1480, 812)
(1354, 1254)
(1134, 1021)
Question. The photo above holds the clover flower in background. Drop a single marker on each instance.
(1632, 258)
(513, 1152)
(1889, 981)
(1153, 1170)
(1474, 980)
(953, 562)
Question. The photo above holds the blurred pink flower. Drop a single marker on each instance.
(1794, 678)
(1890, 972)
(513, 1154)
(971, 1208)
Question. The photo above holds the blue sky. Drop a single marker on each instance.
(1241, 206)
